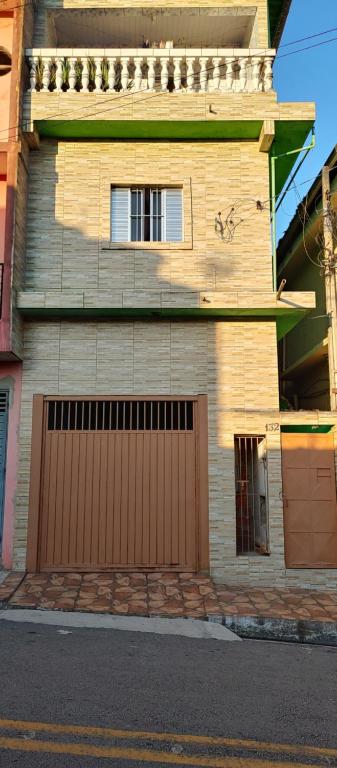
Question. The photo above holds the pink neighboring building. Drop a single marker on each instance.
(11, 46)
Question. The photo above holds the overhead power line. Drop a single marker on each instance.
(124, 95)
(307, 48)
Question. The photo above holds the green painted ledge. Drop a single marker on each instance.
(285, 319)
(159, 130)
(289, 134)
(306, 428)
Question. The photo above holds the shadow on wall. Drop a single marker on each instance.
(70, 200)
(99, 354)
(102, 352)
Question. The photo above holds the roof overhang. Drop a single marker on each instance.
(278, 11)
(285, 319)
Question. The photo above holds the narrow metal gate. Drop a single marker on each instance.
(251, 496)
(119, 485)
(3, 452)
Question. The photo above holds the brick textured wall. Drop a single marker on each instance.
(161, 358)
(225, 360)
(162, 106)
(68, 231)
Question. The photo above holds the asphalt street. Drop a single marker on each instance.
(83, 698)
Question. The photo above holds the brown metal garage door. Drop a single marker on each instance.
(119, 484)
(309, 499)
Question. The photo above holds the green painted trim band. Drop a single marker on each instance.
(159, 130)
(285, 319)
(320, 429)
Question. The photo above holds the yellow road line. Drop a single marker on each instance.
(111, 733)
(142, 755)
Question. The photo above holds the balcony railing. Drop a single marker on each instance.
(169, 69)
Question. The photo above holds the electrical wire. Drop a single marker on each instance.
(160, 93)
(304, 219)
(307, 48)
(124, 95)
(308, 37)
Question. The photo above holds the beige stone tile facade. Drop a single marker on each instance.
(68, 224)
(234, 363)
(69, 265)
(161, 106)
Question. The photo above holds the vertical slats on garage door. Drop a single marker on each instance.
(175, 497)
(116, 500)
(78, 534)
(160, 495)
(131, 522)
(103, 501)
(139, 469)
(145, 512)
(190, 485)
(153, 533)
(89, 512)
(168, 499)
(110, 518)
(74, 497)
(68, 469)
(117, 496)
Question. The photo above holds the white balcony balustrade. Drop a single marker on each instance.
(172, 70)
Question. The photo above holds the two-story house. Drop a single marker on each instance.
(150, 429)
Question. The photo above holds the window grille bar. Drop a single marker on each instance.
(251, 531)
(121, 415)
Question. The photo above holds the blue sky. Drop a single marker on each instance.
(309, 76)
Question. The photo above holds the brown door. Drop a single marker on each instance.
(119, 484)
(309, 493)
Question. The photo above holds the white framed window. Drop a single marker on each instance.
(146, 214)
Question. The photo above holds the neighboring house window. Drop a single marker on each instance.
(146, 214)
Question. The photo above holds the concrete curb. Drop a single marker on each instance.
(284, 630)
(192, 628)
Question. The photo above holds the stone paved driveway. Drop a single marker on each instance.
(140, 594)
(164, 594)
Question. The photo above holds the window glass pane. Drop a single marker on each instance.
(136, 214)
(156, 219)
